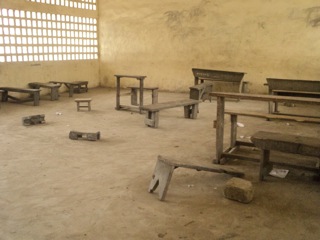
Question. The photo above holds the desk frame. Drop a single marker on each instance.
(221, 96)
(123, 107)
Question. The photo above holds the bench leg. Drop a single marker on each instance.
(152, 119)
(36, 98)
(191, 111)
(265, 166)
(54, 93)
(134, 97)
(233, 132)
(154, 96)
(161, 178)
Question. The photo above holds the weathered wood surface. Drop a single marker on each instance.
(201, 91)
(274, 116)
(292, 85)
(54, 88)
(164, 170)
(141, 87)
(74, 86)
(134, 94)
(75, 135)
(295, 144)
(83, 103)
(266, 97)
(171, 104)
(217, 75)
(34, 95)
(33, 120)
(287, 143)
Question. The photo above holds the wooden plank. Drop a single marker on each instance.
(288, 143)
(275, 116)
(171, 104)
(266, 97)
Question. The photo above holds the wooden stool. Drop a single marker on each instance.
(86, 101)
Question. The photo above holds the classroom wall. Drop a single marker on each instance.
(19, 74)
(165, 39)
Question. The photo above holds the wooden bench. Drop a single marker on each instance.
(201, 91)
(292, 87)
(152, 110)
(54, 88)
(164, 170)
(34, 95)
(134, 94)
(74, 87)
(294, 144)
(228, 80)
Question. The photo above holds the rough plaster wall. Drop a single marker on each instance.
(165, 39)
(19, 74)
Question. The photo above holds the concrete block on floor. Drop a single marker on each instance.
(239, 190)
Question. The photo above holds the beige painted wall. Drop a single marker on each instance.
(19, 74)
(165, 39)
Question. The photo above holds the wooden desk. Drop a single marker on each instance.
(292, 87)
(123, 107)
(220, 153)
(229, 77)
(74, 87)
(54, 88)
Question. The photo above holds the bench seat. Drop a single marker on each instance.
(152, 110)
(54, 88)
(287, 143)
(34, 95)
(164, 170)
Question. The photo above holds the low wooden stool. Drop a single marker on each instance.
(85, 101)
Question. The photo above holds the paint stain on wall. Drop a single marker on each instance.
(182, 23)
(313, 16)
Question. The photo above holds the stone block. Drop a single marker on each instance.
(239, 190)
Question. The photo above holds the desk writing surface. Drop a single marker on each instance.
(130, 76)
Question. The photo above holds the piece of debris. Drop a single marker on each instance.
(75, 135)
(239, 190)
(280, 173)
(240, 124)
(33, 119)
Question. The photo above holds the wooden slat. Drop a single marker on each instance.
(172, 104)
(266, 97)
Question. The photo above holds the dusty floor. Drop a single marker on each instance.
(56, 188)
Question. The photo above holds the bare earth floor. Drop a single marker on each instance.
(54, 188)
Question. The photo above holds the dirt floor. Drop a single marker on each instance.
(55, 188)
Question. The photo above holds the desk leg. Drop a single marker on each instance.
(118, 94)
(71, 90)
(154, 96)
(233, 137)
(219, 129)
(141, 95)
(36, 98)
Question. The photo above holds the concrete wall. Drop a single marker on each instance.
(19, 74)
(165, 39)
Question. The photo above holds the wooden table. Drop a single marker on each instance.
(123, 107)
(221, 96)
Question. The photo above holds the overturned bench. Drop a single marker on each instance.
(75, 135)
(33, 120)
(164, 169)
(287, 143)
(152, 110)
(34, 95)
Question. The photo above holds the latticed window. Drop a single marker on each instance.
(27, 35)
